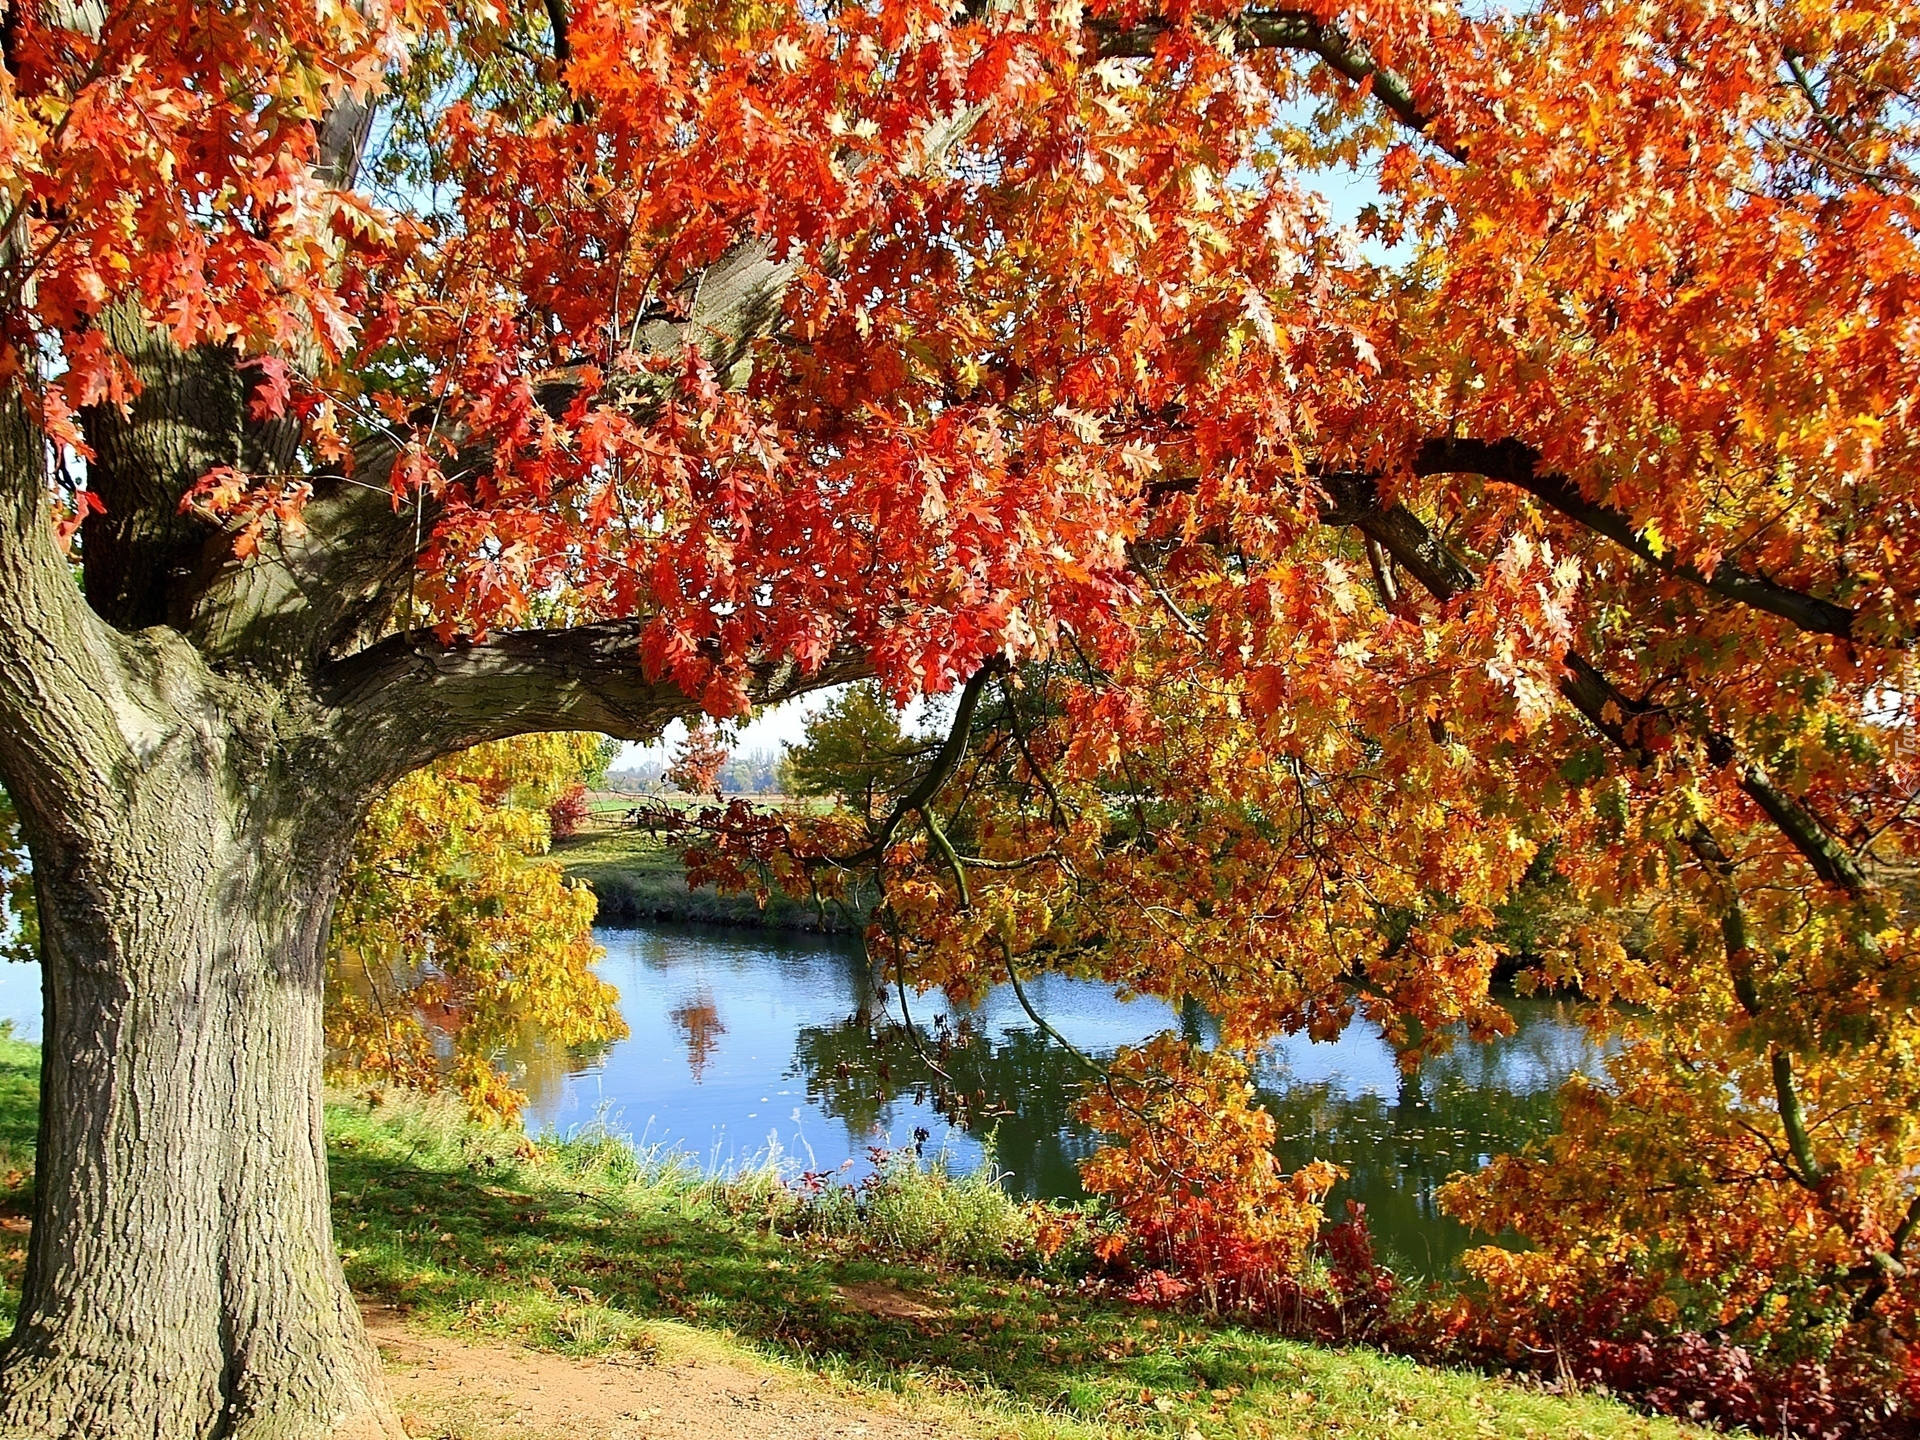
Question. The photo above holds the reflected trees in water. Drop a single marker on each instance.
(1019, 1091)
(698, 1019)
(739, 1034)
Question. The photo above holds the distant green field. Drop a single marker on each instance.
(638, 877)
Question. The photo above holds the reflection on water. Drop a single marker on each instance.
(746, 1042)
(699, 1020)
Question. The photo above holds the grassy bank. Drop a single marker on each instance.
(637, 877)
(578, 1247)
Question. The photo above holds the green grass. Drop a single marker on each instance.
(19, 1107)
(638, 877)
(579, 1245)
(582, 1247)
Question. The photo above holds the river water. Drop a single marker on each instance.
(749, 1044)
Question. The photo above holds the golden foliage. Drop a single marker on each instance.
(462, 958)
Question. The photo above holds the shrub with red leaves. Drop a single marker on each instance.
(1207, 1265)
(1847, 1394)
(1619, 1333)
(567, 814)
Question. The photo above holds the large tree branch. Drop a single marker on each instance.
(315, 590)
(147, 563)
(81, 706)
(184, 421)
(1632, 727)
(410, 699)
(1516, 464)
(341, 578)
(189, 416)
(1302, 33)
(1354, 499)
(728, 306)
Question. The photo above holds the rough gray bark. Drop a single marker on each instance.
(181, 1277)
(188, 830)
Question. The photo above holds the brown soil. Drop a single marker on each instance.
(447, 1389)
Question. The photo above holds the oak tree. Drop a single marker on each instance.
(387, 379)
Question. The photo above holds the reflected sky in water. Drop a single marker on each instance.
(20, 998)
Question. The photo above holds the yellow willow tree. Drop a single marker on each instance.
(460, 957)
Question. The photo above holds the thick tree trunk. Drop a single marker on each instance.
(188, 792)
(182, 1279)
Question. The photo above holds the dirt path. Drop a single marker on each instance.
(449, 1390)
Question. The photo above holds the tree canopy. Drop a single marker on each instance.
(855, 752)
(403, 377)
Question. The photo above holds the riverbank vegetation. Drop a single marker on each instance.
(928, 1287)
(854, 753)
(638, 875)
(458, 948)
(1720, 1222)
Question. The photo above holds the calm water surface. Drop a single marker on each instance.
(749, 1044)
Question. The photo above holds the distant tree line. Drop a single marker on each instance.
(756, 772)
